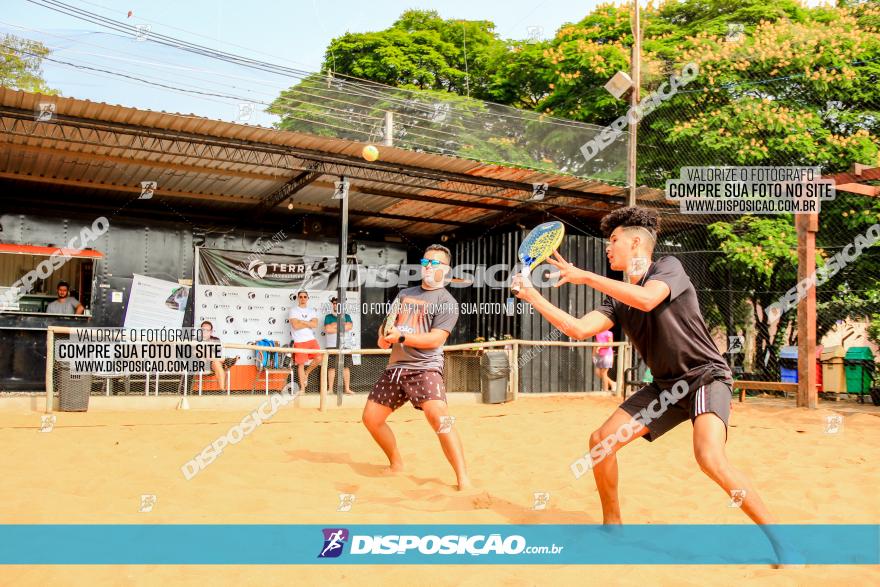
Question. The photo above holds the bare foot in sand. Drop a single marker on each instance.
(393, 469)
(464, 483)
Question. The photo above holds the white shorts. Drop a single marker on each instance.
(603, 362)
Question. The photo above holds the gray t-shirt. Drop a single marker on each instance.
(67, 306)
(421, 311)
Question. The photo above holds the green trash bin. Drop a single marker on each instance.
(859, 365)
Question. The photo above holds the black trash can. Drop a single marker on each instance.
(73, 389)
(494, 376)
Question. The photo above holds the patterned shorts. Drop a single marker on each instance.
(416, 385)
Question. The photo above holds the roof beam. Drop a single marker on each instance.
(123, 188)
(407, 218)
(858, 173)
(329, 163)
(420, 197)
(296, 183)
(857, 188)
(84, 155)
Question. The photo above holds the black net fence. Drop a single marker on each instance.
(772, 94)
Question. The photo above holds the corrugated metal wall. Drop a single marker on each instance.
(542, 369)
(155, 248)
(484, 252)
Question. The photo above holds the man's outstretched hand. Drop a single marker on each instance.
(567, 273)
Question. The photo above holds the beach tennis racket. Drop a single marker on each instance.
(538, 246)
(391, 318)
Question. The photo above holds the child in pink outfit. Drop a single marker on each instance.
(603, 358)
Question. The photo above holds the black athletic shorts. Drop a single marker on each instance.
(714, 397)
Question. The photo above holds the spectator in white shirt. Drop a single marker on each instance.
(303, 322)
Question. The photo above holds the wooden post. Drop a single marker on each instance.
(324, 362)
(807, 395)
(514, 372)
(50, 364)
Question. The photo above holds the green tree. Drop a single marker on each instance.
(760, 254)
(522, 76)
(20, 61)
(422, 50)
(798, 87)
(580, 59)
(855, 291)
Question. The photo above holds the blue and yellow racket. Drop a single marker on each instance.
(538, 246)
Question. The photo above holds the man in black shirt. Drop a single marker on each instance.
(657, 307)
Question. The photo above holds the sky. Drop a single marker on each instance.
(294, 34)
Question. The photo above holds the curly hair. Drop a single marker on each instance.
(631, 217)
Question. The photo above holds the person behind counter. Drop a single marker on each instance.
(65, 304)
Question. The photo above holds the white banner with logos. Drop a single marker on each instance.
(247, 297)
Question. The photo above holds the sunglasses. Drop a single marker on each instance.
(431, 262)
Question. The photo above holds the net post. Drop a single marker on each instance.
(514, 372)
(50, 369)
(324, 362)
(621, 361)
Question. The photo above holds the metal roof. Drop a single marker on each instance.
(103, 150)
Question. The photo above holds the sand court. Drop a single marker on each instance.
(95, 467)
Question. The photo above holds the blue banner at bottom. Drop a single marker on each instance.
(440, 544)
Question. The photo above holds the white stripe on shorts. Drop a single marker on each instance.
(701, 401)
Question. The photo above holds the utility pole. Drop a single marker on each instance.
(634, 101)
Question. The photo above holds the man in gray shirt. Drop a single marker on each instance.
(427, 315)
(64, 304)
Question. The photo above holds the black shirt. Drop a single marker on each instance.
(672, 338)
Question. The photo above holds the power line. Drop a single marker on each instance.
(196, 34)
(345, 113)
(358, 88)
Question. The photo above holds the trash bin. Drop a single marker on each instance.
(833, 374)
(859, 364)
(73, 389)
(494, 376)
(788, 364)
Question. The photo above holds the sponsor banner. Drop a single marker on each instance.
(439, 544)
(244, 269)
(247, 297)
